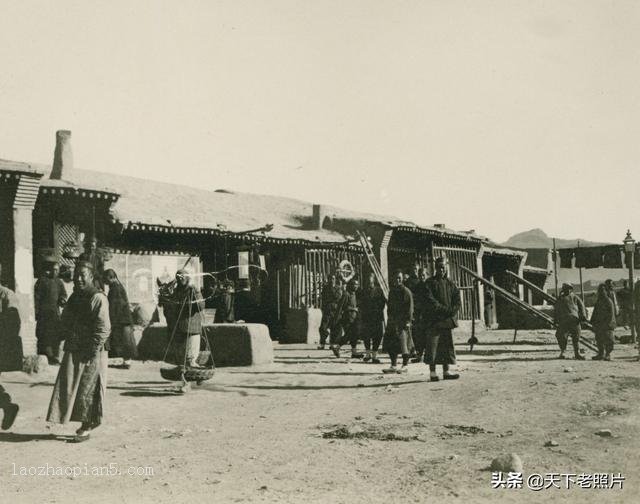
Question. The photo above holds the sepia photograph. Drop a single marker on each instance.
(319, 251)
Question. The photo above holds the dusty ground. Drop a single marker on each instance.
(255, 434)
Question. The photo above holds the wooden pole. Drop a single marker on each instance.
(580, 273)
(518, 302)
(473, 340)
(630, 263)
(555, 265)
(532, 287)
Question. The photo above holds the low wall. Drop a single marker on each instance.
(231, 344)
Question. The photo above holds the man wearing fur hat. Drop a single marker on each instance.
(568, 312)
(442, 303)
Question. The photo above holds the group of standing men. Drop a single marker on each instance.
(421, 314)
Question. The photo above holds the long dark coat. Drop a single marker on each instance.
(397, 338)
(50, 296)
(442, 303)
(80, 388)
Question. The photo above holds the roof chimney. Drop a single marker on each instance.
(62, 157)
(439, 226)
(320, 217)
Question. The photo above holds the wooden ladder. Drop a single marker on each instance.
(373, 262)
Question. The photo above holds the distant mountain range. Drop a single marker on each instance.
(537, 238)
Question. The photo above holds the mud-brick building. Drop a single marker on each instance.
(279, 251)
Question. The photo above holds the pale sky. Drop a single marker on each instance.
(498, 116)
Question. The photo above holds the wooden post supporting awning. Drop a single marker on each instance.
(521, 304)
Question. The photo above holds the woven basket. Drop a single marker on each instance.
(190, 374)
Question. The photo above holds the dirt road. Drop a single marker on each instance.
(256, 434)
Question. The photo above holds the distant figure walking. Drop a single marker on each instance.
(569, 311)
(80, 388)
(603, 320)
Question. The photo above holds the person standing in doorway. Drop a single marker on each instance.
(50, 296)
(441, 314)
(94, 257)
(225, 304)
(568, 312)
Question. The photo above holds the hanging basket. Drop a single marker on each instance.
(190, 374)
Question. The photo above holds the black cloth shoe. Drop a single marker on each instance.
(357, 355)
(579, 357)
(597, 357)
(336, 351)
(434, 378)
(451, 376)
(416, 360)
(375, 361)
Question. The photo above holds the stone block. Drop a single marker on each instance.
(302, 326)
(232, 344)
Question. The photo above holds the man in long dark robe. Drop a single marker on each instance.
(568, 312)
(50, 296)
(121, 342)
(441, 317)
(372, 305)
(80, 388)
(397, 338)
(329, 297)
(603, 320)
(348, 312)
(418, 327)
